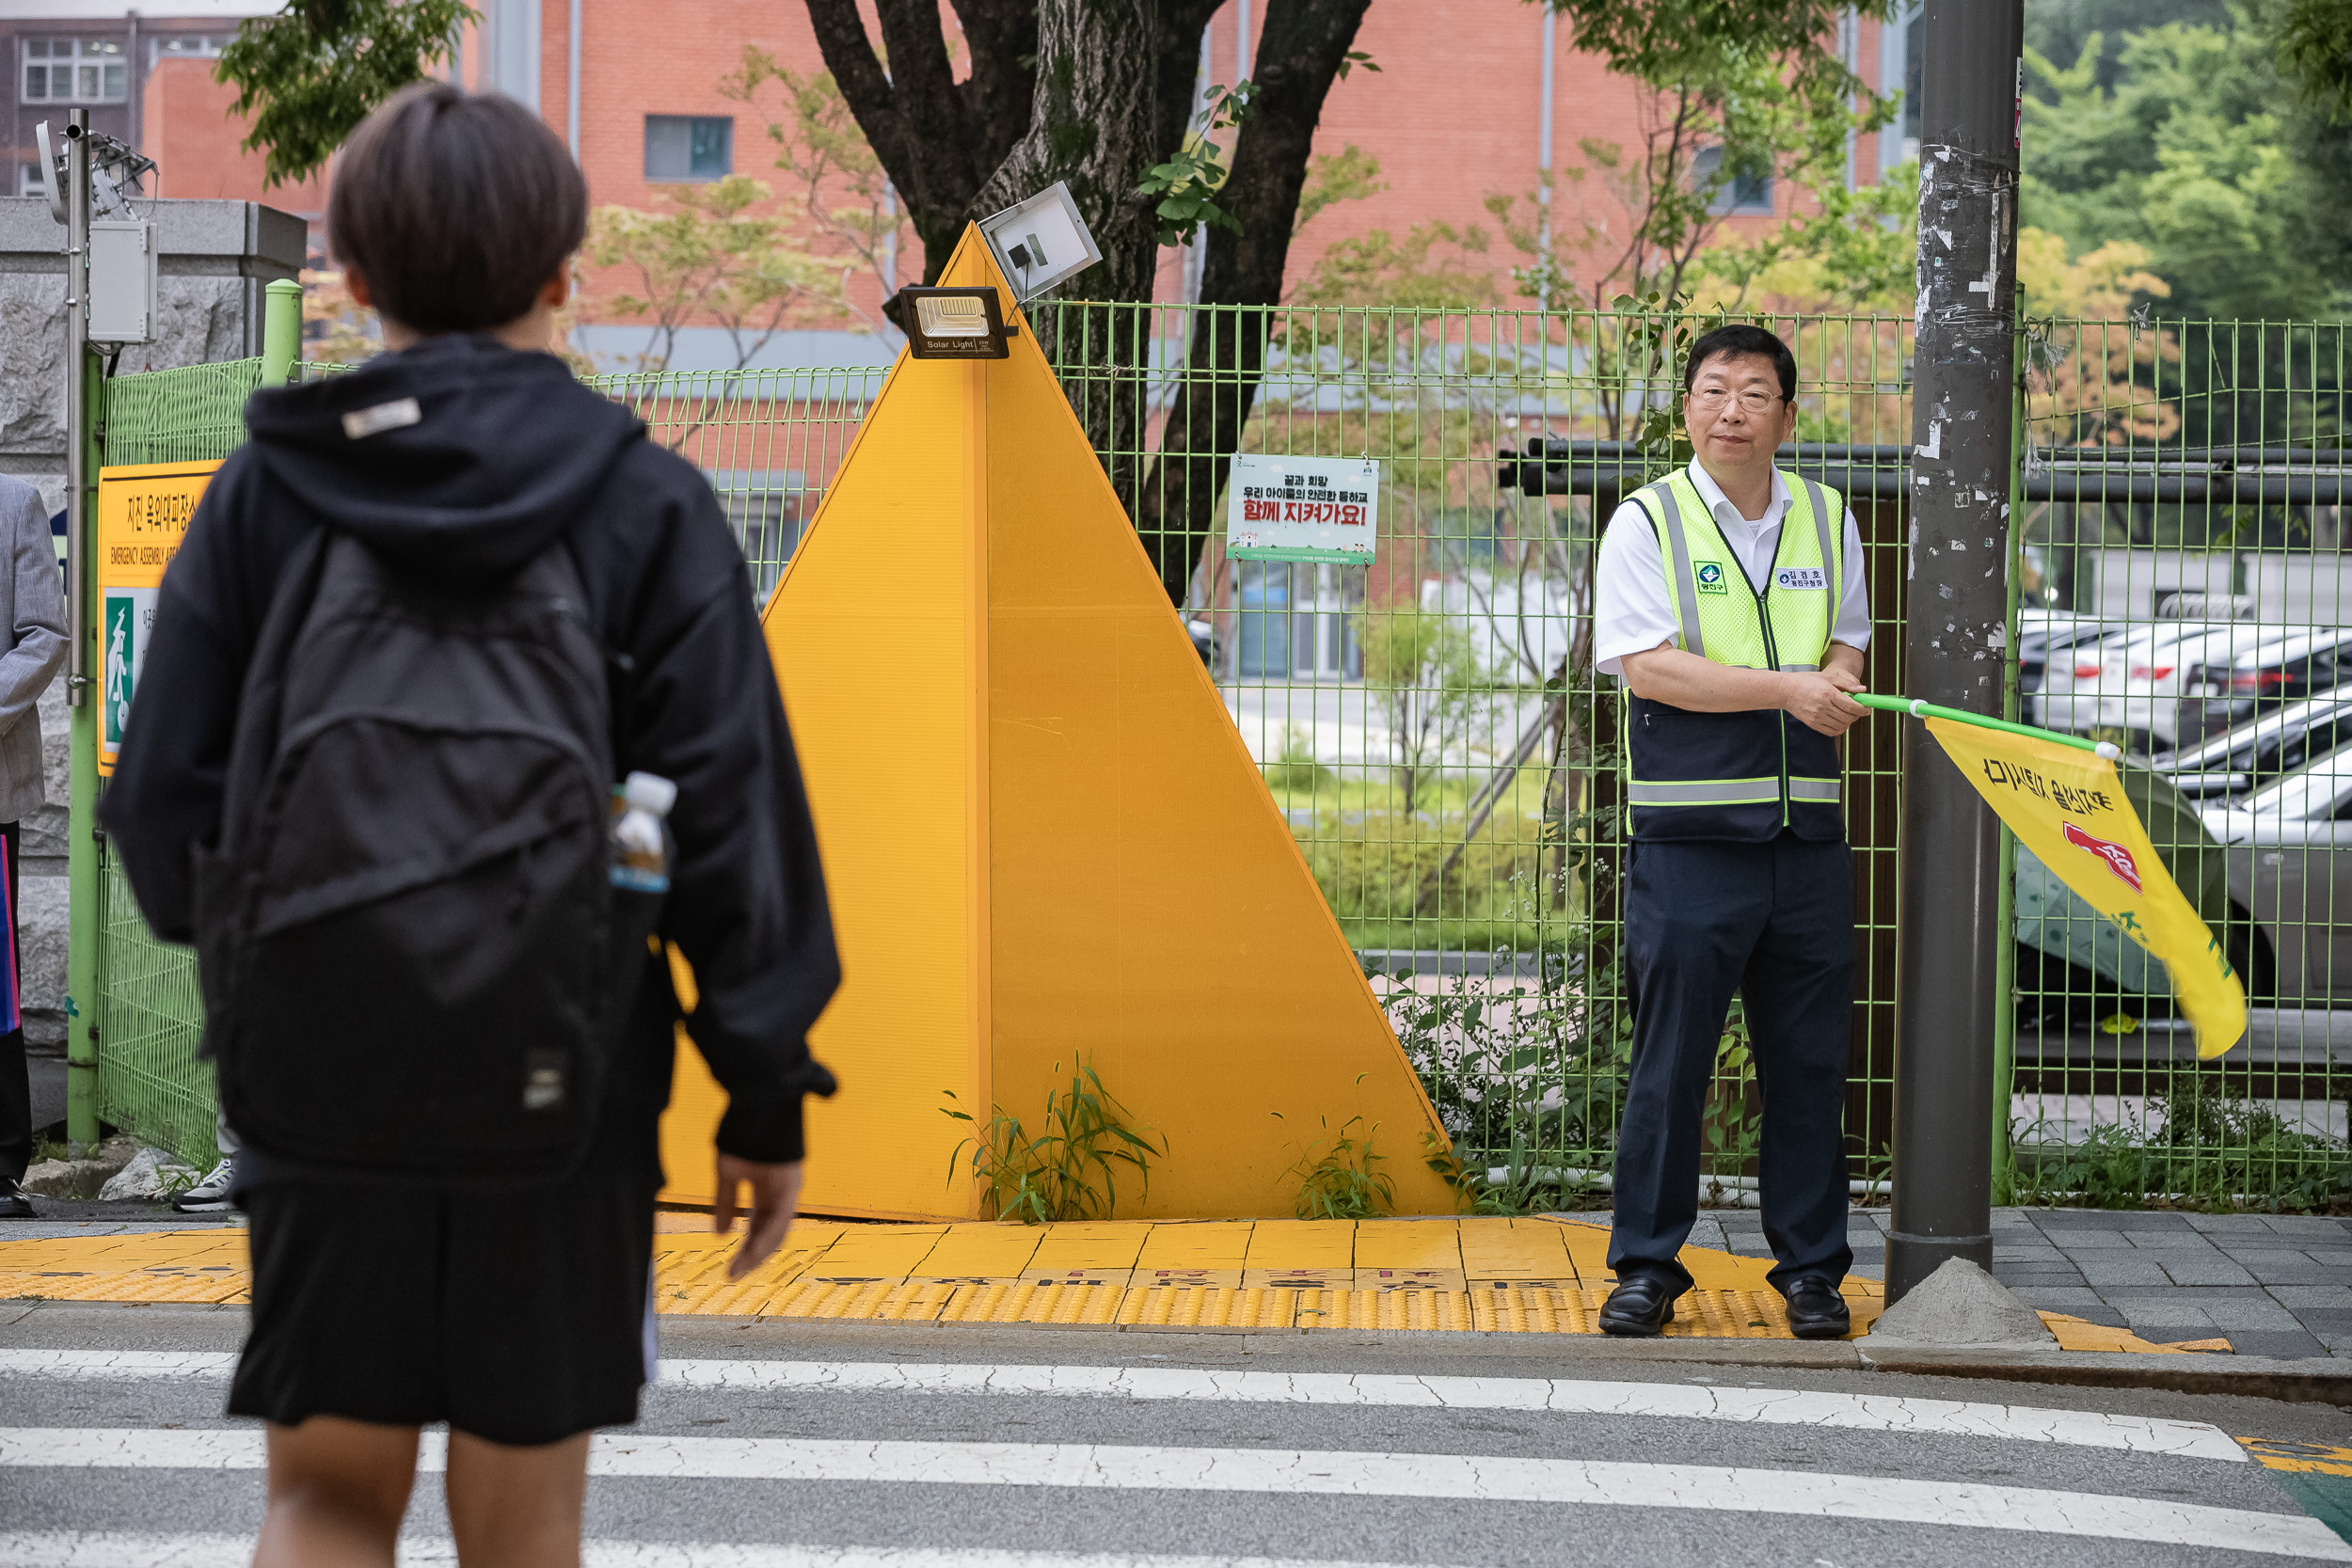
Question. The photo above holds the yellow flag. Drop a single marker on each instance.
(2068, 807)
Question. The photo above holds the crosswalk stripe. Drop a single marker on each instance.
(1328, 1472)
(1764, 1407)
(1560, 1396)
(103, 1549)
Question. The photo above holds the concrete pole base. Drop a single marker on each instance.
(1910, 1259)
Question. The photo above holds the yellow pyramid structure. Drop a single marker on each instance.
(1044, 838)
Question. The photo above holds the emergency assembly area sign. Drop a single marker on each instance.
(143, 514)
(1302, 509)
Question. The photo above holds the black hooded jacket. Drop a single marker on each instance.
(510, 452)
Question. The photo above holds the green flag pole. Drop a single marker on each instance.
(1920, 709)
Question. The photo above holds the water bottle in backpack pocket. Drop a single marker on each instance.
(415, 959)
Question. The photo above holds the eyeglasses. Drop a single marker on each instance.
(1711, 400)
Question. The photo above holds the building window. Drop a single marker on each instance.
(187, 46)
(28, 180)
(75, 70)
(1742, 192)
(689, 147)
(1902, 39)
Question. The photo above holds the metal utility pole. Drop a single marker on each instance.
(1955, 634)
(81, 1040)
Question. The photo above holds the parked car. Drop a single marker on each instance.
(2258, 751)
(2040, 640)
(2289, 847)
(2129, 685)
(2284, 667)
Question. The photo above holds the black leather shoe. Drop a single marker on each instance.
(14, 1205)
(1816, 1310)
(1639, 1307)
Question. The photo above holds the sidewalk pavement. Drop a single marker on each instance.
(2273, 1285)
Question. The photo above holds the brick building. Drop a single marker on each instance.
(1466, 105)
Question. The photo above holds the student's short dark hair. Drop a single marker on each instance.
(455, 208)
(1740, 341)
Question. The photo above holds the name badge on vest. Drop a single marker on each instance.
(1801, 578)
(1710, 577)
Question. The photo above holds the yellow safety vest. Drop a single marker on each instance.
(1739, 776)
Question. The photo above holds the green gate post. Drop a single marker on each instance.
(84, 388)
(282, 331)
(82, 933)
(2005, 903)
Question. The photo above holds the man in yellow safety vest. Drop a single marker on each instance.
(1729, 599)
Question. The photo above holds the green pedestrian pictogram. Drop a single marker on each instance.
(121, 654)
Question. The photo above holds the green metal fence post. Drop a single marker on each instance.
(81, 1032)
(85, 388)
(282, 331)
(2004, 873)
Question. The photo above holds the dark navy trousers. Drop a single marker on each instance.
(1774, 922)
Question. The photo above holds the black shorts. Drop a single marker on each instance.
(521, 1317)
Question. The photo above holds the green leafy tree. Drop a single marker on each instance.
(712, 257)
(1853, 250)
(1429, 684)
(309, 75)
(2189, 157)
(842, 202)
(2314, 40)
(1729, 94)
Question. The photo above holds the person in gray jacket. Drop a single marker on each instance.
(32, 615)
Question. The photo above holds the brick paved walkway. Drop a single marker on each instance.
(2271, 1284)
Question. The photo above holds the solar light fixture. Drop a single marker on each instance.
(951, 324)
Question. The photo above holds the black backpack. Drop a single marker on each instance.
(413, 961)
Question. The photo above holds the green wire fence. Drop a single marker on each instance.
(1436, 730)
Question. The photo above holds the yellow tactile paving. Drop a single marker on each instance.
(1515, 1250)
(972, 1252)
(2319, 1458)
(1513, 1275)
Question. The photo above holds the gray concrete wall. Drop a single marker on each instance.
(215, 259)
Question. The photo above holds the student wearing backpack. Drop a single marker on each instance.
(420, 626)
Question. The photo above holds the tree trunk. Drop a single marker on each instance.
(1299, 52)
(938, 139)
(1115, 93)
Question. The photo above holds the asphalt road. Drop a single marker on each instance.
(947, 1447)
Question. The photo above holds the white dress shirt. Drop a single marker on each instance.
(1632, 612)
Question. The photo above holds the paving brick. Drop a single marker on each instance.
(2169, 1241)
(2266, 1316)
(2338, 1340)
(2112, 1270)
(2333, 1320)
(2285, 1346)
(2091, 1241)
(2228, 1223)
(2332, 1256)
(2160, 1313)
(2117, 1219)
(2042, 1282)
(2004, 1254)
(2317, 1229)
(2319, 1296)
(2075, 1302)
(2204, 1271)
(2288, 1268)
